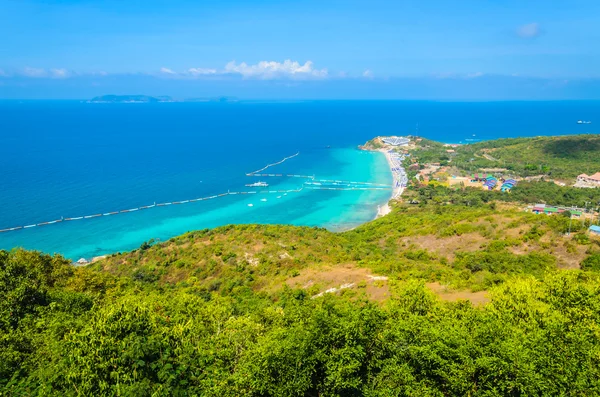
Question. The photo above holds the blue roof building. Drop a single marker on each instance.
(594, 229)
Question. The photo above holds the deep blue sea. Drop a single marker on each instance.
(69, 159)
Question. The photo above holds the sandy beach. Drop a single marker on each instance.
(385, 209)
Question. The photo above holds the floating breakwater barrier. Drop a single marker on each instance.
(312, 184)
(347, 188)
(145, 207)
(272, 165)
(284, 175)
(321, 182)
(352, 182)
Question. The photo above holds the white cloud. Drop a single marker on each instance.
(167, 71)
(529, 30)
(273, 70)
(368, 74)
(34, 72)
(201, 71)
(52, 73)
(59, 73)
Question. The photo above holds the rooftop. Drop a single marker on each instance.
(595, 177)
(396, 140)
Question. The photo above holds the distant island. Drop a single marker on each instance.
(130, 99)
(154, 99)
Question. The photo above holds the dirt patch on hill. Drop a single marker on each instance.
(479, 298)
(335, 279)
(447, 246)
(566, 259)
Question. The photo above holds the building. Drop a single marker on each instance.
(396, 140)
(595, 229)
(591, 179)
(551, 210)
(479, 177)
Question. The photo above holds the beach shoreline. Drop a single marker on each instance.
(399, 177)
(397, 188)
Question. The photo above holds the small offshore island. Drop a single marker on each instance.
(154, 99)
(463, 288)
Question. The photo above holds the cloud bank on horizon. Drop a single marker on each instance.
(267, 70)
(260, 70)
(68, 48)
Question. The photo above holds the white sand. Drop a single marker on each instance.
(385, 209)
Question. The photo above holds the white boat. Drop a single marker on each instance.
(258, 184)
(263, 199)
(250, 205)
(278, 197)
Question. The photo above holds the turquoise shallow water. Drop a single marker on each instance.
(71, 159)
(78, 159)
(333, 210)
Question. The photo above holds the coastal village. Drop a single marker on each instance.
(402, 153)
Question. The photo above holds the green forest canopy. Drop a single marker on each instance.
(211, 312)
(561, 157)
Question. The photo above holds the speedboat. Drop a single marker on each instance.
(258, 184)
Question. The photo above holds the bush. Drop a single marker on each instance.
(591, 263)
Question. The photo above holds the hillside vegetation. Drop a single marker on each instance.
(457, 295)
(558, 157)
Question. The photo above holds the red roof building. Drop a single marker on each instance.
(592, 179)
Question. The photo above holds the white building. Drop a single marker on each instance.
(591, 179)
(396, 140)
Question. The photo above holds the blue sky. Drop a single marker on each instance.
(436, 49)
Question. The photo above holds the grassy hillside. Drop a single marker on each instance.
(562, 157)
(453, 296)
(431, 242)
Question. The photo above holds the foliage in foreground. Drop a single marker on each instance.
(79, 332)
(209, 314)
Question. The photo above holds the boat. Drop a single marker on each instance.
(583, 122)
(258, 184)
(278, 197)
(250, 205)
(263, 199)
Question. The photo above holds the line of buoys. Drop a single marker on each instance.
(145, 207)
(272, 165)
(283, 175)
(347, 188)
(350, 185)
(352, 182)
